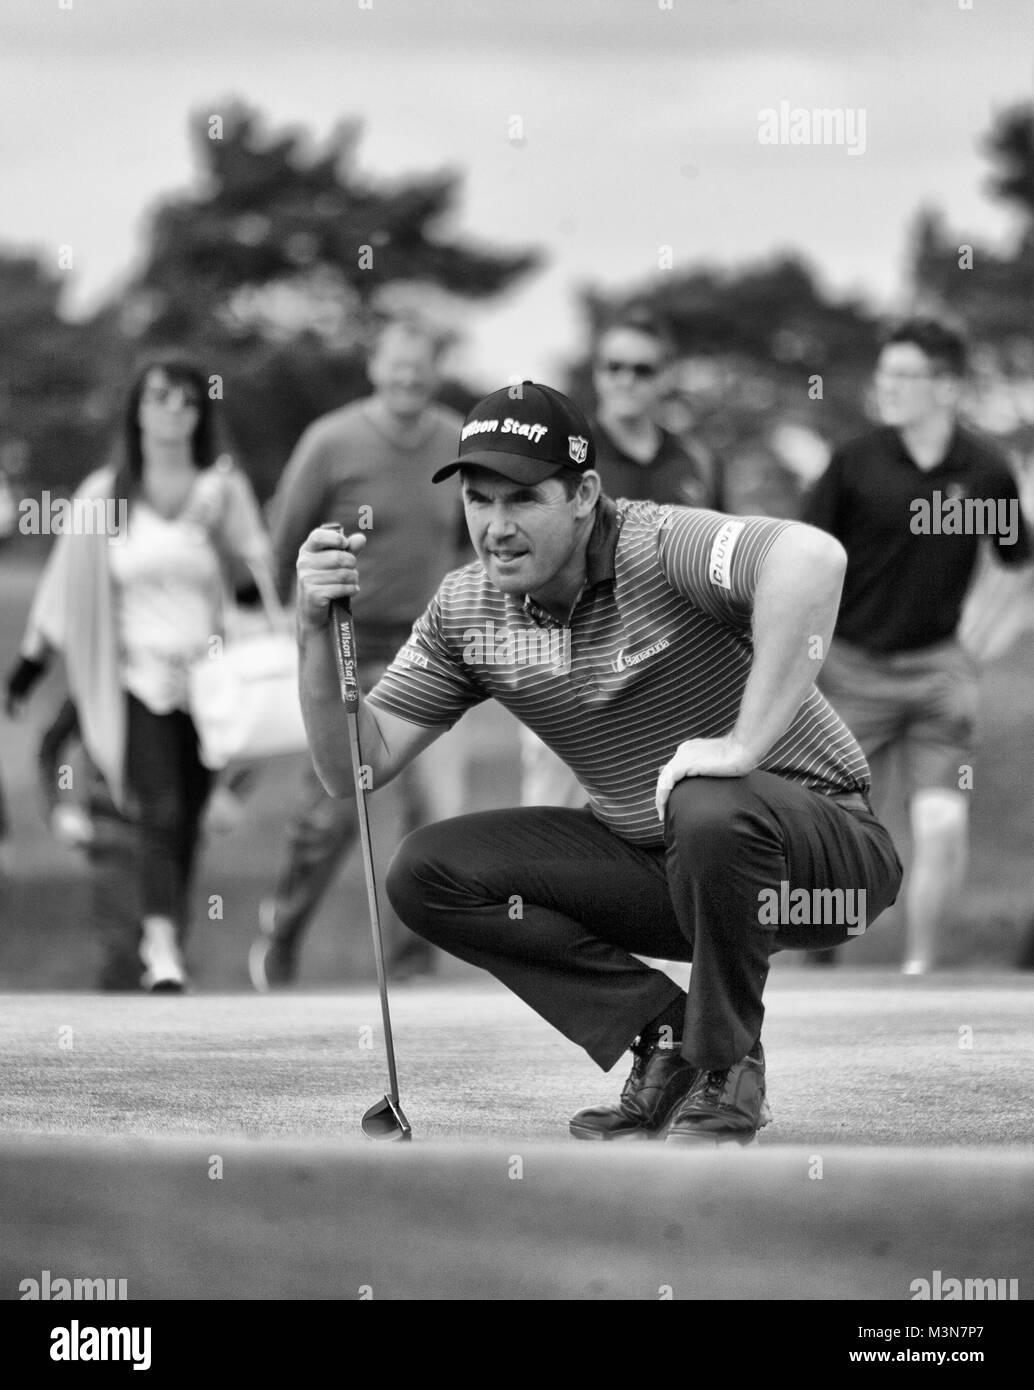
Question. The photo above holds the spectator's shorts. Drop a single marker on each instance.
(921, 704)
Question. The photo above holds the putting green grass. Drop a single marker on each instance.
(853, 1057)
(208, 1147)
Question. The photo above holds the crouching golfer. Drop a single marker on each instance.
(669, 656)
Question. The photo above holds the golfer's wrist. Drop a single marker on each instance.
(312, 625)
(746, 749)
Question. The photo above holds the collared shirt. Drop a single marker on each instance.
(908, 567)
(657, 650)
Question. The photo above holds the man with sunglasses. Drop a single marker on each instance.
(912, 502)
(635, 457)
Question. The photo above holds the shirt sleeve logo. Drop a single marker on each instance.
(413, 656)
(720, 565)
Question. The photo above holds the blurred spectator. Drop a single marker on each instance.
(896, 671)
(131, 607)
(369, 466)
(111, 842)
(635, 456)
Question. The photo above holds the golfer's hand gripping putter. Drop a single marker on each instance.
(386, 1119)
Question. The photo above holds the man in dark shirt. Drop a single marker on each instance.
(635, 457)
(911, 502)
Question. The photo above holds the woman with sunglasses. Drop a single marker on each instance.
(131, 612)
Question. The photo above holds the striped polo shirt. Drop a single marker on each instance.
(657, 650)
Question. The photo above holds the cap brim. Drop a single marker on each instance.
(515, 467)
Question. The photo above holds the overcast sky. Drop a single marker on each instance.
(641, 127)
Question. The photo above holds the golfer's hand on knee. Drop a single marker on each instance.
(702, 757)
(326, 570)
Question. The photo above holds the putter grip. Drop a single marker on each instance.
(344, 644)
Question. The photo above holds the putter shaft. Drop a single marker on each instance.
(348, 676)
(371, 895)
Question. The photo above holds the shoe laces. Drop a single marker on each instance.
(641, 1054)
(715, 1083)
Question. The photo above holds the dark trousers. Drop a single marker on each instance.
(114, 901)
(170, 786)
(552, 903)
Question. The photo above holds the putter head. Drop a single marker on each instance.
(386, 1120)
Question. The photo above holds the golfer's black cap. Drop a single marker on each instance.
(527, 433)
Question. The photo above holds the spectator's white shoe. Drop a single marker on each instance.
(71, 826)
(915, 967)
(163, 963)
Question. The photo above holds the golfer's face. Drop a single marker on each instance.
(523, 535)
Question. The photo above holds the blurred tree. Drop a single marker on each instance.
(993, 292)
(1011, 145)
(278, 266)
(273, 271)
(271, 211)
(990, 293)
(53, 425)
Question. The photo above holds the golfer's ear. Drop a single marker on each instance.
(588, 492)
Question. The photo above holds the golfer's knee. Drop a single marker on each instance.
(705, 816)
(413, 876)
(401, 878)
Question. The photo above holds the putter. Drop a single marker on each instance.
(386, 1119)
